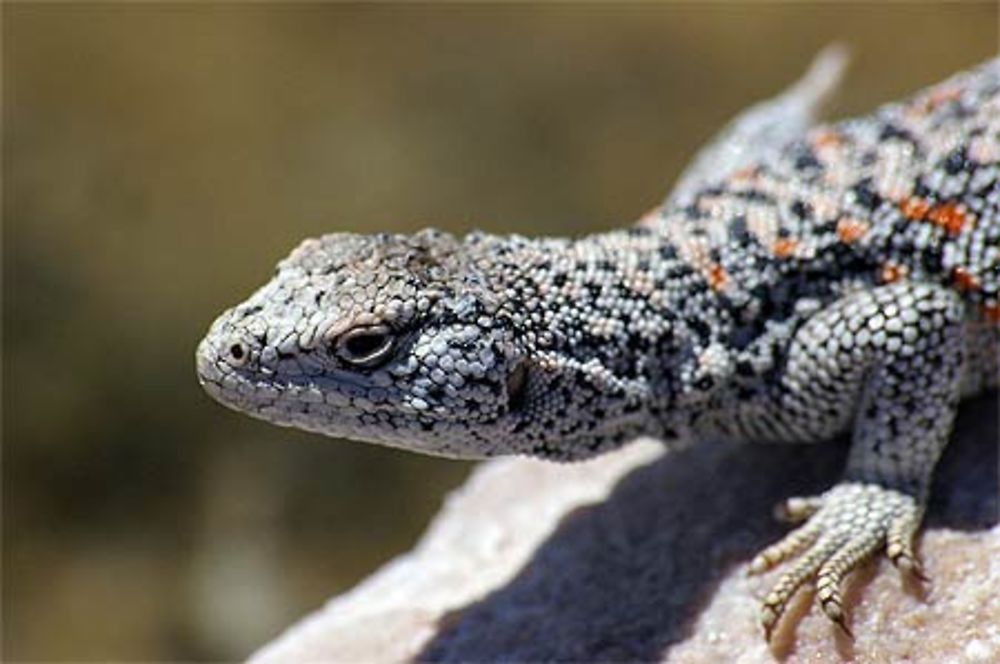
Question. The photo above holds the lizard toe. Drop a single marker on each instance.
(798, 508)
(899, 544)
(804, 568)
(851, 522)
(789, 546)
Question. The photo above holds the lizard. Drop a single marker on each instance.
(801, 282)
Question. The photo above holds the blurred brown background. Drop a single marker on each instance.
(158, 160)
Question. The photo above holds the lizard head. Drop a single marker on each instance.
(424, 342)
(382, 338)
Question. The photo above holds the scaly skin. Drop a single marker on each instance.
(847, 281)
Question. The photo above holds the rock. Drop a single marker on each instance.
(642, 554)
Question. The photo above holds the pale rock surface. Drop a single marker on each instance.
(641, 556)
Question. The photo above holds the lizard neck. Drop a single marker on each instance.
(623, 312)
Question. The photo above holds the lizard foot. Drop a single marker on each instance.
(844, 527)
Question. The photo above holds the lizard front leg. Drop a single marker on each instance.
(895, 353)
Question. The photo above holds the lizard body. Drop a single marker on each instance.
(848, 281)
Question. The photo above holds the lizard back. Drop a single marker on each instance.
(910, 192)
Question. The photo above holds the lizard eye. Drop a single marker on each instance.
(367, 346)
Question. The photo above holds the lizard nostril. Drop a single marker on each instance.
(238, 354)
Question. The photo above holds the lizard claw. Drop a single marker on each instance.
(846, 526)
(798, 508)
(899, 548)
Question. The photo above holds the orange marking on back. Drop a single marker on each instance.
(650, 217)
(785, 247)
(748, 174)
(915, 209)
(717, 277)
(850, 230)
(992, 312)
(942, 95)
(934, 98)
(965, 281)
(827, 138)
(892, 272)
(949, 216)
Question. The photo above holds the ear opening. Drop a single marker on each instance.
(517, 386)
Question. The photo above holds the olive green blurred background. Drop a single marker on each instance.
(158, 160)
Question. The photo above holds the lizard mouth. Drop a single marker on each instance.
(517, 386)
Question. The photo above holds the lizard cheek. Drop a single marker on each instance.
(517, 384)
